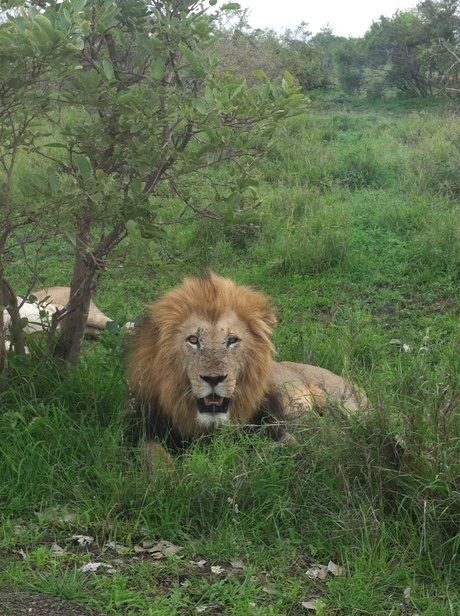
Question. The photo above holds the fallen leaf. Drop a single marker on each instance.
(407, 592)
(269, 591)
(317, 573)
(90, 567)
(336, 570)
(163, 548)
(217, 569)
(118, 547)
(237, 564)
(309, 605)
(82, 540)
(57, 550)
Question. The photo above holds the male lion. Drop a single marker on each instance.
(203, 357)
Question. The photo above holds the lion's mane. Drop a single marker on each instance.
(159, 384)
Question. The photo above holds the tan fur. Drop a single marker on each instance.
(210, 328)
(55, 298)
(163, 365)
(304, 387)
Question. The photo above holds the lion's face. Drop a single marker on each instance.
(203, 356)
(214, 358)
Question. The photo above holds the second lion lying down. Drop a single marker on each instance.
(203, 357)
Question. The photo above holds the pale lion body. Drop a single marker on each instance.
(304, 387)
(56, 298)
(44, 303)
(203, 358)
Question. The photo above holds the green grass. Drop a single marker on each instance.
(358, 244)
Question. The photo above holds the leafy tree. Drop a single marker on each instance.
(350, 60)
(413, 47)
(141, 114)
(396, 44)
(248, 51)
(309, 57)
(442, 25)
(27, 58)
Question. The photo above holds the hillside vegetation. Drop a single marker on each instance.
(357, 240)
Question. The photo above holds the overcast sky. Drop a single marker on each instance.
(346, 17)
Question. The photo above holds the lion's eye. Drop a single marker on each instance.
(193, 340)
(232, 340)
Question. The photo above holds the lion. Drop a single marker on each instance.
(39, 308)
(203, 357)
(56, 298)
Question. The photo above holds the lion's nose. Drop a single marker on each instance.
(214, 380)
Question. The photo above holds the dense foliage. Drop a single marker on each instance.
(413, 53)
(120, 105)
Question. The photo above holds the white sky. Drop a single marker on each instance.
(346, 17)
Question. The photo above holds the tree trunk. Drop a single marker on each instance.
(87, 262)
(9, 302)
(74, 323)
(2, 329)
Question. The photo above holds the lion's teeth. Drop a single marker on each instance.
(213, 400)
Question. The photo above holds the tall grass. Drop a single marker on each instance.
(358, 244)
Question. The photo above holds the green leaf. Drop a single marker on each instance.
(108, 69)
(191, 58)
(88, 79)
(78, 5)
(209, 95)
(45, 26)
(261, 75)
(230, 6)
(201, 107)
(54, 182)
(112, 327)
(158, 69)
(6, 39)
(38, 182)
(78, 46)
(288, 79)
(132, 228)
(84, 167)
(125, 97)
(234, 200)
(93, 79)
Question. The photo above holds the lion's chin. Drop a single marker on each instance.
(211, 420)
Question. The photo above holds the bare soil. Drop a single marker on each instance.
(30, 603)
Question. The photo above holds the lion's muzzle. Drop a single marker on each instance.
(214, 400)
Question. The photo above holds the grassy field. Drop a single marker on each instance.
(359, 246)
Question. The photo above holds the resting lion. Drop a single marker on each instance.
(203, 357)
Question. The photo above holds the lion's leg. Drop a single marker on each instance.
(288, 440)
(156, 458)
(282, 437)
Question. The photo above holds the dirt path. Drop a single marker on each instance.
(29, 603)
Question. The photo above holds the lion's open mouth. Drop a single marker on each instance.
(213, 404)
